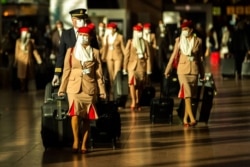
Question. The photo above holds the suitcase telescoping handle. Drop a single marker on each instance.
(169, 77)
(59, 115)
(209, 80)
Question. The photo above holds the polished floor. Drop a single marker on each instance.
(223, 142)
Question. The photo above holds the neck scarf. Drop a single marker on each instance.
(186, 45)
(146, 36)
(24, 43)
(111, 38)
(83, 54)
(138, 44)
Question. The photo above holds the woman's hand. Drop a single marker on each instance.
(103, 96)
(61, 94)
(166, 75)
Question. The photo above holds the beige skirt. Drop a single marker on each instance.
(79, 104)
(137, 77)
(188, 86)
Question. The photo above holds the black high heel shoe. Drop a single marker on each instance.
(138, 107)
(186, 125)
(133, 108)
(84, 151)
(74, 150)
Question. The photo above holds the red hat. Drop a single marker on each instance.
(187, 23)
(112, 25)
(137, 28)
(91, 26)
(147, 26)
(24, 29)
(85, 30)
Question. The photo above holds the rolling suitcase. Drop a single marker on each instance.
(202, 105)
(161, 109)
(171, 85)
(148, 93)
(55, 124)
(207, 90)
(107, 128)
(245, 70)
(120, 89)
(228, 67)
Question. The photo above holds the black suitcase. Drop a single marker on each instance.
(171, 85)
(245, 70)
(207, 90)
(107, 128)
(148, 93)
(202, 106)
(55, 124)
(161, 108)
(120, 89)
(106, 77)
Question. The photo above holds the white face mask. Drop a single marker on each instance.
(185, 33)
(82, 39)
(139, 34)
(79, 23)
(24, 34)
(101, 28)
(109, 31)
(146, 31)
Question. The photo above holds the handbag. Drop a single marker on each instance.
(176, 60)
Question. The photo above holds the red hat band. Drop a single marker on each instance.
(147, 26)
(137, 28)
(85, 30)
(112, 25)
(91, 26)
(24, 29)
(187, 23)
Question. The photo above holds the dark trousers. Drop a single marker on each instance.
(239, 58)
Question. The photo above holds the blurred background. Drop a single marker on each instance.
(41, 15)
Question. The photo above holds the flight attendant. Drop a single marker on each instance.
(137, 63)
(113, 51)
(189, 47)
(68, 39)
(24, 53)
(82, 80)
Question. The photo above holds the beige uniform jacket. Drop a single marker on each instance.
(75, 81)
(118, 49)
(186, 66)
(131, 58)
(152, 40)
(24, 58)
